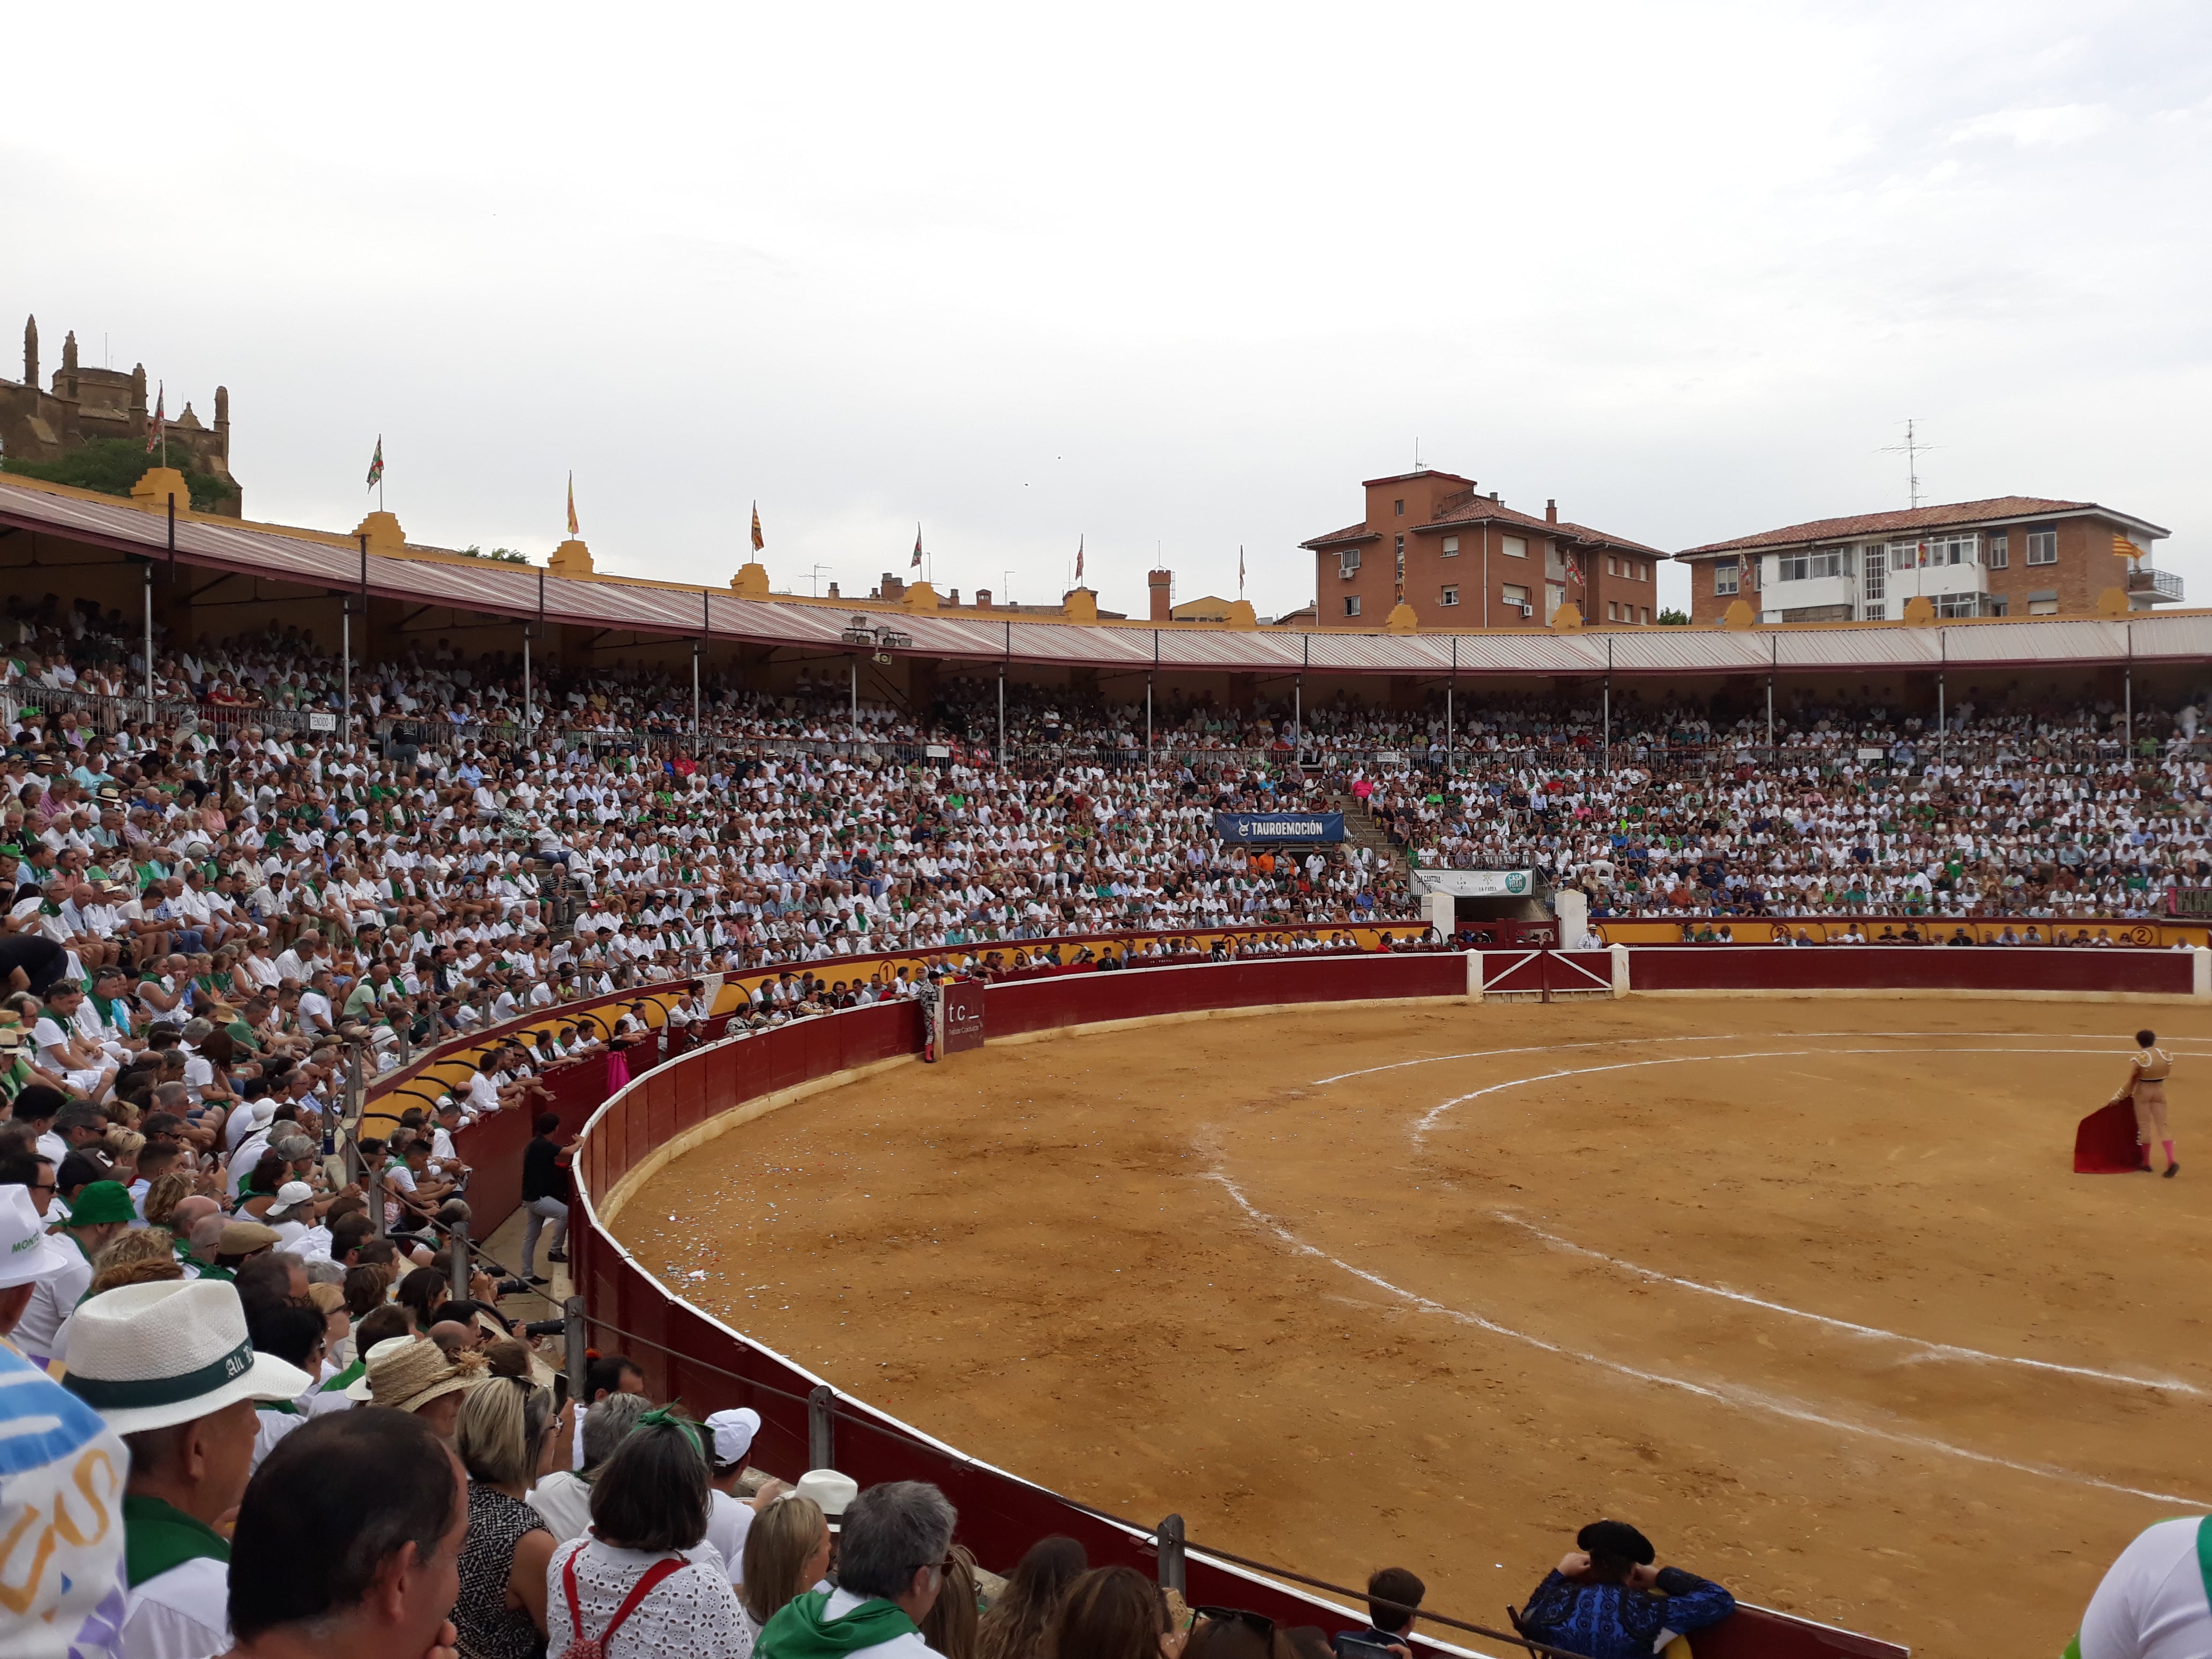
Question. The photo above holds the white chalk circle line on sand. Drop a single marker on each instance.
(1739, 1399)
(1932, 1350)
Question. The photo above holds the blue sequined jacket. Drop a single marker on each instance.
(1612, 1621)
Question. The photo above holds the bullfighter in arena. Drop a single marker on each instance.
(2148, 1070)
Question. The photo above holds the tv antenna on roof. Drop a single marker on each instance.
(1913, 449)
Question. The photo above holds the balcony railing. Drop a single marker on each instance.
(2159, 584)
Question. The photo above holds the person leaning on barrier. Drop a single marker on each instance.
(1392, 1595)
(1607, 1601)
(1116, 1613)
(891, 1551)
(384, 1502)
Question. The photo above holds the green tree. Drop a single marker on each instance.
(503, 555)
(111, 465)
(1671, 617)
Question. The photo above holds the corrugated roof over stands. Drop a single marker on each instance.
(514, 590)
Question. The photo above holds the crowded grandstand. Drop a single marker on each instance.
(249, 875)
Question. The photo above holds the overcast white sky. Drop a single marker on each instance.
(1169, 277)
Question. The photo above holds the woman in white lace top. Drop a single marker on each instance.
(649, 1509)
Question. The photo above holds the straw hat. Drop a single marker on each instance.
(412, 1378)
(148, 1356)
(358, 1389)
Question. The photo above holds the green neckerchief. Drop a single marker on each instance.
(346, 1378)
(282, 1407)
(157, 1536)
(219, 1274)
(799, 1630)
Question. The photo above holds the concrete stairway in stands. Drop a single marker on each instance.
(1363, 828)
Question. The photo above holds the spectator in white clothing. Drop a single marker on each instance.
(729, 1438)
(563, 1498)
(2156, 1601)
(649, 1509)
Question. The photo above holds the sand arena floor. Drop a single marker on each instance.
(1805, 1289)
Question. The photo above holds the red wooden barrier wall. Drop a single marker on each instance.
(688, 1354)
(1908, 968)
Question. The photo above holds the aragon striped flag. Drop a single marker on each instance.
(159, 429)
(758, 543)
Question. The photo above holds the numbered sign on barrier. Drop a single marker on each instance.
(959, 1017)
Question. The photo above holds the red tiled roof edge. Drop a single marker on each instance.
(1923, 518)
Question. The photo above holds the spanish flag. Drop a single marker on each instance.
(758, 543)
(573, 529)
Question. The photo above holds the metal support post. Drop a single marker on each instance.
(457, 1261)
(374, 1181)
(1148, 720)
(1606, 762)
(528, 722)
(149, 634)
(1002, 761)
(694, 695)
(1770, 713)
(822, 1428)
(2128, 706)
(576, 1339)
(1297, 717)
(1169, 1535)
(345, 666)
(853, 712)
(1942, 721)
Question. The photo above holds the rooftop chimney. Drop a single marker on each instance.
(952, 596)
(1493, 495)
(982, 598)
(833, 591)
(894, 587)
(1551, 511)
(1161, 584)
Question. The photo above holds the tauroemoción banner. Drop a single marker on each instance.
(1278, 826)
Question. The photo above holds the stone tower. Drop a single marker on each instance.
(31, 351)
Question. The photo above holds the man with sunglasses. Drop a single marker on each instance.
(891, 1551)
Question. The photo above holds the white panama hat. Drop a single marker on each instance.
(834, 1492)
(358, 1390)
(148, 1356)
(27, 1253)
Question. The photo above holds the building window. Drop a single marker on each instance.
(2000, 550)
(1955, 549)
(1957, 604)
(1995, 604)
(1646, 617)
(1555, 595)
(1398, 506)
(2043, 546)
(1807, 567)
(2043, 607)
(1611, 570)
(1348, 562)
(1514, 596)
(1723, 575)
(1877, 613)
(1398, 550)
(1450, 596)
(1513, 547)
(1612, 611)
(1352, 604)
(1451, 547)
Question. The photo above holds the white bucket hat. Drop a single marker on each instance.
(27, 1254)
(147, 1356)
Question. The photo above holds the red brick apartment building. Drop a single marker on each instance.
(2016, 556)
(1468, 560)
